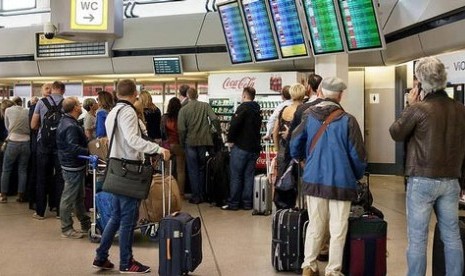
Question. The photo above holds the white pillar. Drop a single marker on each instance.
(333, 66)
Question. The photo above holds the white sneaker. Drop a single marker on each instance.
(71, 234)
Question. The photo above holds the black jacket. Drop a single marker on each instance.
(71, 142)
(244, 130)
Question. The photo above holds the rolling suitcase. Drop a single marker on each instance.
(262, 190)
(365, 248)
(180, 249)
(287, 246)
(288, 236)
(439, 268)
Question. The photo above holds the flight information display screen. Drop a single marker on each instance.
(288, 29)
(168, 65)
(260, 32)
(234, 32)
(360, 25)
(323, 24)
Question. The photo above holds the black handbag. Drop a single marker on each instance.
(286, 181)
(131, 178)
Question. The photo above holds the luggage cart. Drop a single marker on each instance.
(97, 168)
(148, 228)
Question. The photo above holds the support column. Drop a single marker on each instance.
(333, 66)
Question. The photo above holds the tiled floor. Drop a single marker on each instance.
(234, 243)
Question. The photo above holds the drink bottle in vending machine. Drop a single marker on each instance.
(276, 83)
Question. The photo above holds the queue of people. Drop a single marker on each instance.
(332, 161)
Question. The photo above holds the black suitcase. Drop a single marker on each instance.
(217, 178)
(287, 247)
(180, 249)
(439, 268)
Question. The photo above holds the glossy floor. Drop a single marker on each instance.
(234, 242)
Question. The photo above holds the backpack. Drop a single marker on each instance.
(50, 123)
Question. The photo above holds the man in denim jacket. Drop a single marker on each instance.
(330, 175)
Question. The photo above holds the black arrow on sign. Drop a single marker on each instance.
(90, 17)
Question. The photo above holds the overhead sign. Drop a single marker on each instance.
(89, 15)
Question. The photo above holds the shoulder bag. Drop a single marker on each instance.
(131, 178)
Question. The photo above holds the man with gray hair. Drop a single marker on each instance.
(329, 190)
(435, 135)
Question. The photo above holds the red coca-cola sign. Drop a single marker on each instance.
(239, 83)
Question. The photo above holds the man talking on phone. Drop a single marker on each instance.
(435, 135)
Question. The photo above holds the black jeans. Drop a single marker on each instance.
(49, 181)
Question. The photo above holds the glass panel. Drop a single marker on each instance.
(10, 5)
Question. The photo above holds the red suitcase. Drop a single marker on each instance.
(365, 248)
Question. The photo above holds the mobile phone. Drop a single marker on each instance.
(419, 86)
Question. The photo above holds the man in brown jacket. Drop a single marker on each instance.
(434, 131)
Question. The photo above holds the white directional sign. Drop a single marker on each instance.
(89, 14)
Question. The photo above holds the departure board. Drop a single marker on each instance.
(167, 65)
(259, 28)
(60, 48)
(288, 29)
(234, 32)
(323, 24)
(361, 25)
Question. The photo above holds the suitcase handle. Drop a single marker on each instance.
(168, 249)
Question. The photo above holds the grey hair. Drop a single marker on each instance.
(330, 94)
(432, 74)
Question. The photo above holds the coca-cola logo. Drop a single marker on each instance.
(239, 84)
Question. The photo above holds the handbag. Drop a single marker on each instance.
(286, 181)
(131, 178)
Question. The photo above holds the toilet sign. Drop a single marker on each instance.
(89, 15)
(374, 98)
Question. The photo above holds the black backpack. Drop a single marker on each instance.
(50, 123)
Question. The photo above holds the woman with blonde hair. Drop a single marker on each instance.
(152, 116)
(286, 199)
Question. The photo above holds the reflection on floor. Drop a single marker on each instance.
(234, 243)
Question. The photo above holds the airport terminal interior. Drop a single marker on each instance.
(220, 47)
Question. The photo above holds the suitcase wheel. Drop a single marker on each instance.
(94, 238)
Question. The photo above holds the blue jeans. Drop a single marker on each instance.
(124, 215)
(242, 166)
(15, 151)
(196, 160)
(73, 198)
(423, 196)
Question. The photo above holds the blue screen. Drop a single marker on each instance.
(288, 29)
(260, 31)
(234, 31)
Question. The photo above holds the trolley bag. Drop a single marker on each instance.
(287, 246)
(218, 177)
(262, 189)
(289, 227)
(180, 249)
(439, 268)
(103, 209)
(164, 190)
(365, 247)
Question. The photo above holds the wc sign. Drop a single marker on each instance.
(89, 14)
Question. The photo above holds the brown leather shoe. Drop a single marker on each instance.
(307, 271)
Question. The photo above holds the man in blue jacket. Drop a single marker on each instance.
(71, 142)
(244, 134)
(330, 175)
